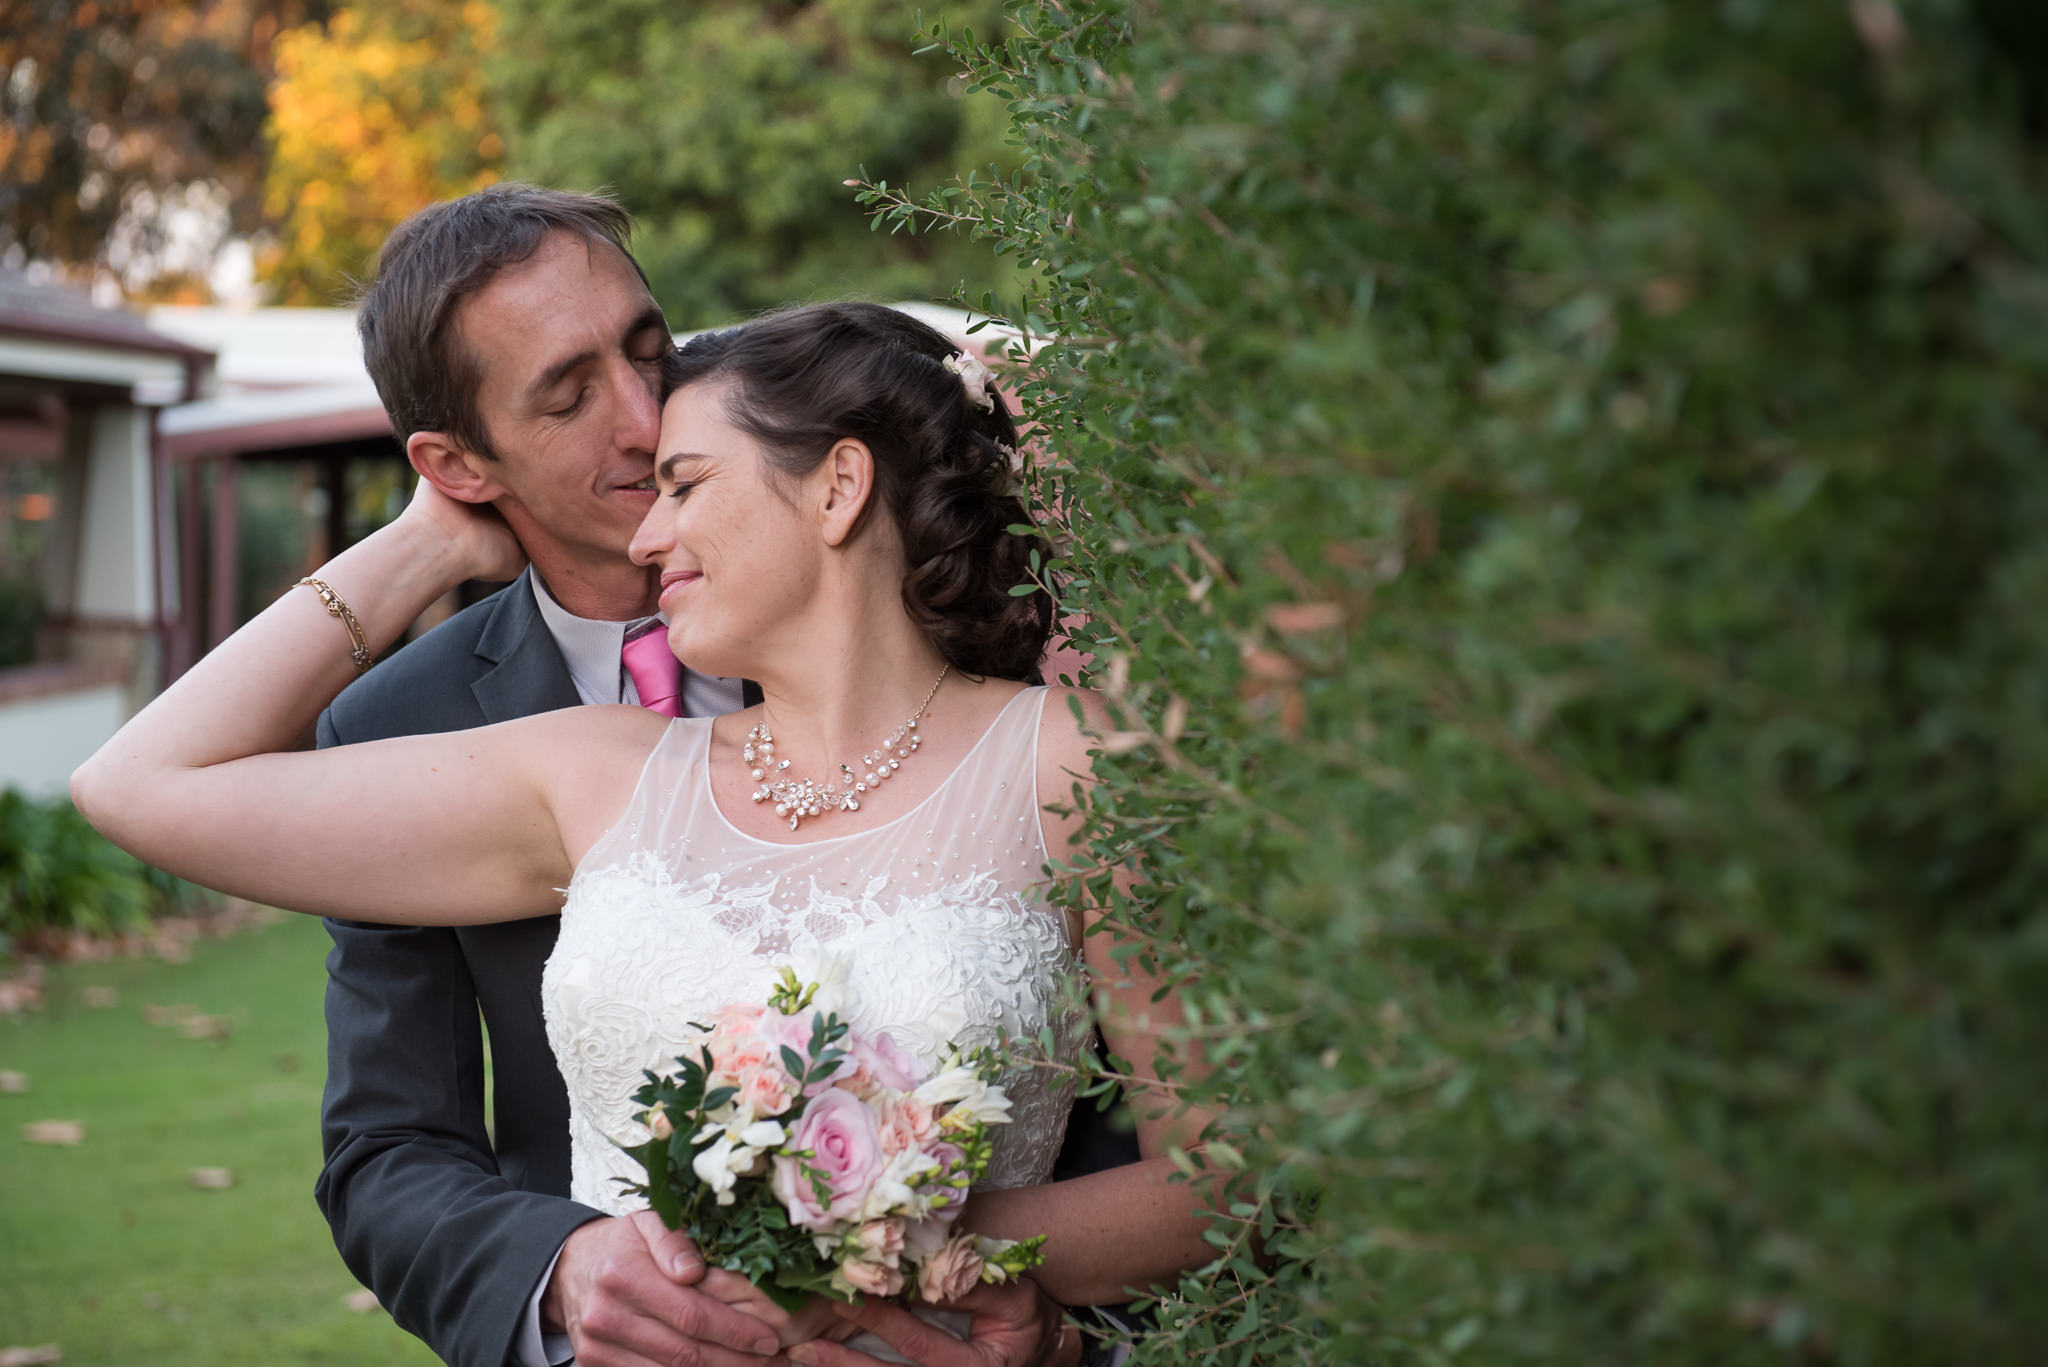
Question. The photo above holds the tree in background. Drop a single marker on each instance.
(130, 130)
(1555, 491)
(380, 111)
(729, 128)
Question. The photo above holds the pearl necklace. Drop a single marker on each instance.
(797, 798)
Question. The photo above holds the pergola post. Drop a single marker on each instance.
(221, 618)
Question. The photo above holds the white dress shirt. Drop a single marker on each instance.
(592, 649)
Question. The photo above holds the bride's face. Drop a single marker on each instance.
(738, 545)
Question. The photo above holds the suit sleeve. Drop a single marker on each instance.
(410, 1185)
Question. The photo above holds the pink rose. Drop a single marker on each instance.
(841, 1132)
(767, 1089)
(732, 1055)
(906, 1123)
(794, 1032)
(888, 1063)
(658, 1124)
(880, 1241)
(873, 1278)
(740, 1017)
(952, 1272)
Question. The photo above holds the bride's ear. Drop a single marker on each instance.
(848, 473)
(462, 475)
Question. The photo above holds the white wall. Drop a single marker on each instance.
(43, 739)
(117, 558)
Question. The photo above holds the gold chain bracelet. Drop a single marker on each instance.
(360, 651)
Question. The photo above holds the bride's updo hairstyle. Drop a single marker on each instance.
(808, 377)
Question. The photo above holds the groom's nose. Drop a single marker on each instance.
(637, 409)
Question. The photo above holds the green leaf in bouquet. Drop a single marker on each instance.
(792, 1286)
(718, 1096)
(661, 1195)
(793, 1061)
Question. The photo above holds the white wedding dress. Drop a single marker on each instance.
(934, 927)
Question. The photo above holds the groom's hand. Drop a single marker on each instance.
(1015, 1325)
(624, 1290)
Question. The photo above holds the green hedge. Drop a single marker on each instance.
(58, 874)
(1559, 489)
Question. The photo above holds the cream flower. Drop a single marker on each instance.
(975, 379)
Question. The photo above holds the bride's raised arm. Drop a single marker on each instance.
(441, 829)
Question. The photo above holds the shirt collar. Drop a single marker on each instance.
(589, 647)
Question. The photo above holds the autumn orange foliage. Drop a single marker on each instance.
(380, 111)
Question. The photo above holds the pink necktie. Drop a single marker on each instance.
(655, 670)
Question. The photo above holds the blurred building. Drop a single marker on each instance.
(160, 480)
(286, 462)
(84, 539)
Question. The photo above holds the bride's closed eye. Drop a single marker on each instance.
(680, 489)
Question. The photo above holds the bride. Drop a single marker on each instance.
(882, 817)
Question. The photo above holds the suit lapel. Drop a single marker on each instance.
(527, 673)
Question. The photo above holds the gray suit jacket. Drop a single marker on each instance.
(450, 1221)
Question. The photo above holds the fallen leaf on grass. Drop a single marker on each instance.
(22, 992)
(11, 1081)
(100, 998)
(67, 1132)
(207, 1027)
(31, 1357)
(362, 1302)
(211, 1179)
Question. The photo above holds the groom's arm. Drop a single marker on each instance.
(411, 1186)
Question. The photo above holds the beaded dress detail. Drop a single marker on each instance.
(934, 925)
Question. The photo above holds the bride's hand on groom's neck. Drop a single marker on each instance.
(475, 532)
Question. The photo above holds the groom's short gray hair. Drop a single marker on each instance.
(434, 260)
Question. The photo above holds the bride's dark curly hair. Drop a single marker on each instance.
(807, 377)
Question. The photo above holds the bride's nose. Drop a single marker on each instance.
(654, 537)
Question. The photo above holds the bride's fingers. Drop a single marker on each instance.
(895, 1326)
(671, 1249)
(732, 1288)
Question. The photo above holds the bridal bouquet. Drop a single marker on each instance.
(813, 1160)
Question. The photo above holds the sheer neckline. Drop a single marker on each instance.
(711, 795)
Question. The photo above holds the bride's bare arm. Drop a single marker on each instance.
(1131, 1226)
(438, 829)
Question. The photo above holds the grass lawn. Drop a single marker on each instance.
(106, 1249)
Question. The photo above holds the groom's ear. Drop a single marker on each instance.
(848, 474)
(460, 474)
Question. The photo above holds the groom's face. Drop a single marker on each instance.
(568, 344)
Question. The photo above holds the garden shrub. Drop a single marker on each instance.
(57, 874)
(1555, 490)
(21, 608)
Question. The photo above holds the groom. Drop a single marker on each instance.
(514, 342)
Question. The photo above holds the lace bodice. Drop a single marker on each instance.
(934, 925)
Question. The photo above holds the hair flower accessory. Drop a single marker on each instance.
(974, 379)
